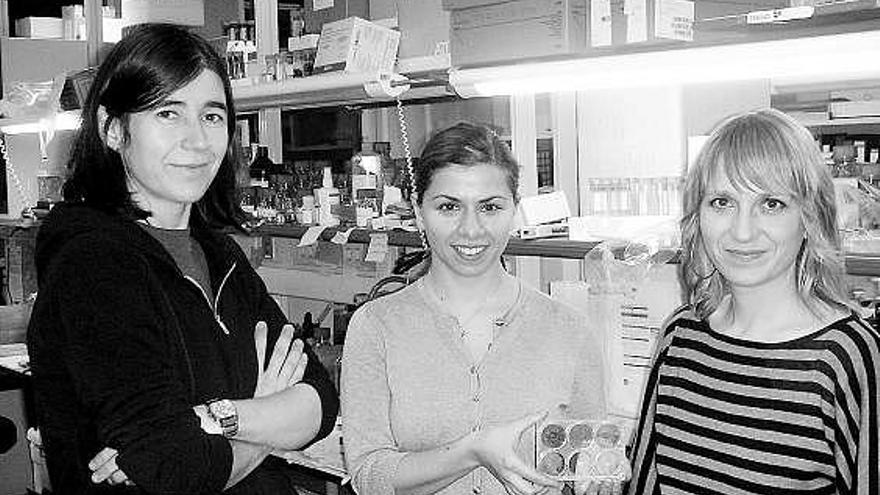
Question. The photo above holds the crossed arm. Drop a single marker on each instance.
(283, 414)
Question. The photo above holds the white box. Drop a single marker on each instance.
(187, 12)
(39, 27)
(851, 109)
(544, 208)
(618, 22)
(356, 45)
(518, 29)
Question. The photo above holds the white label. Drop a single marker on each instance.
(779, 15)
(341, 236)
(322, 4)
(310, 236)
(600, 23)
(636, 12)
(378, 248)
(674, 19)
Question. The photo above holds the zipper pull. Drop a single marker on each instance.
(222, 325)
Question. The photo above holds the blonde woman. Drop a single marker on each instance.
(767, 382)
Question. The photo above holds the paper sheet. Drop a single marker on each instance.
(341, 236)
(629, 324)
(378, 248)
(322, 4)
(311, 236)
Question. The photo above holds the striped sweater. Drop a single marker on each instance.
(727, 416)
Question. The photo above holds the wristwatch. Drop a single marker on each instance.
(223, 412)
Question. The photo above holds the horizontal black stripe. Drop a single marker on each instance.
(842, 363)
(707, 344)
(729, 479)
(748, 401)
(733, 461)
(788, 450)
(758, 381)
(686, 486)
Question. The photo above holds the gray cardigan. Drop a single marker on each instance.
(408, 383)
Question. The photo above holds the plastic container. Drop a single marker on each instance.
(326, 197)
(581, 450)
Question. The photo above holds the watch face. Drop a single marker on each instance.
(223, 409)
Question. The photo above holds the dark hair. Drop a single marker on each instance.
(145, 67)
(765, 150)
(464, 144)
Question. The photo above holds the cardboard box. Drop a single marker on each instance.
(466, 4)
(13, 322)
(518, 29)
(639, 21)
(39, 27)
(424, 29)
(187, 12)
(356, 45)
(854, 109)
(824, 7)
(383, 9)
(319, 12)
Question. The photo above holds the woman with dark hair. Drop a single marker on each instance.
(160, 362)
(440, 379)
(767, 382)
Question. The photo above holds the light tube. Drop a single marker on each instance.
(831, 58)
(64, 121)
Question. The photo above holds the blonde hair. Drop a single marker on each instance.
(765, 150)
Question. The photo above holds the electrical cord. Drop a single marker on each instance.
(408, 261)
(16, 179)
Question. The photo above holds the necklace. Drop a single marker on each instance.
(477, 335)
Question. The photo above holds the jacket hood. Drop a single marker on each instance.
(68, 222)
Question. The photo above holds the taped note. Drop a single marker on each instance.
(341, 236)
(322, 4)
(311, 236)
(378, 248)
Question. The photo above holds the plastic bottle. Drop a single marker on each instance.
(366, 180)
(252, 65)
(234, 52)
(326, 196)
(261, 167)
(297, 23)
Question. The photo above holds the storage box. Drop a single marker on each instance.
(356, 45)
(424, 29)
(14, 322)
(466, 4)
(854, 109)
(39, 27)
(383, 9)
(824, 7)
(187, 12)
(319, 12)
(518, 29)
(639, 21)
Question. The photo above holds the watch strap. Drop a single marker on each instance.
(224, 413)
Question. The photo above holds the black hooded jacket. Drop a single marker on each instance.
(122, 346)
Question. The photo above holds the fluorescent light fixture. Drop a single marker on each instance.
(808, 60)
(321, 89)
(64, 121)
